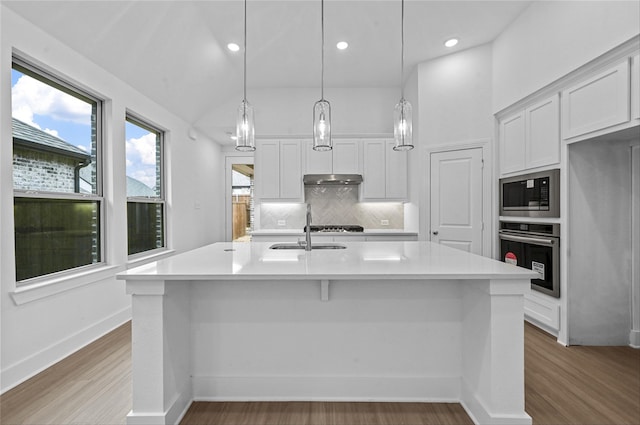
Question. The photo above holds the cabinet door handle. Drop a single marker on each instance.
(435, 232)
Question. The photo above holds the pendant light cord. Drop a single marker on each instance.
(402, 54)
(322, 66)
(245, 54)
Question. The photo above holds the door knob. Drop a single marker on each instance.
(435, 232)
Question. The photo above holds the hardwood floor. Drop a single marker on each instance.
(563, 385)
(321, 413)
(92, 386)
(580, 385)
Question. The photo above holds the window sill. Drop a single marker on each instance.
(48, 287)
(155, 256)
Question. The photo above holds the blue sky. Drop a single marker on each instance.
(69, 118)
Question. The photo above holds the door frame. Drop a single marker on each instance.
(488, 241)
(229, 161)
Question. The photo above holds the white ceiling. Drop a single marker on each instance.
(175, 52)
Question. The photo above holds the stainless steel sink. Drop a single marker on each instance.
(313, 246)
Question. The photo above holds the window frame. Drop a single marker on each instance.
(137, 120)
(65, 85)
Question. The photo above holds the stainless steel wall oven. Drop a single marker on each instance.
(535, 246)
(531, 195)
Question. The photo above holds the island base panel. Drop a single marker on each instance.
(383, 340)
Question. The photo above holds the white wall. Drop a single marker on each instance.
(454, 109)
(552, 38)
(599, 178)
(289, 111)
(37, 333)
(455, 97)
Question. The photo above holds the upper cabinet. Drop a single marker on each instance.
(512, 143)
(344, 158)
(278, 170)
(635, 88)
(530, 138)
(542, 136)
(598, 102)
(384, 171)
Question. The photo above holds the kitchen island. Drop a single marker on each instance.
(376, 321)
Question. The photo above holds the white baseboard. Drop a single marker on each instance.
(173, 415)
(634, 339)
(19, 372)
(480, 414)
(326, 388)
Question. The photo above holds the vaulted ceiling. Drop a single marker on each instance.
(175, 52)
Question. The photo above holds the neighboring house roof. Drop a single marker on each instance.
(137, 188)
(134, 187)
(34, 138)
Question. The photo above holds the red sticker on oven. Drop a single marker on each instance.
(510, 258)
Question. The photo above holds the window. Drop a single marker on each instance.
(58, 204)
(145, 192)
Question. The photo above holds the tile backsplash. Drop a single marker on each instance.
(333, 205)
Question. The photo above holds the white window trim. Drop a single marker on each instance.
(55, 283)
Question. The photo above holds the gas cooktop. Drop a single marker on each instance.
(335, 228)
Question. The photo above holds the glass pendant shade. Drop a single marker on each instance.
(402, 126)
(322, 126)
(245, 132)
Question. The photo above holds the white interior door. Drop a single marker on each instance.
(456, 199)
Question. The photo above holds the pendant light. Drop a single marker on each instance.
(322, 108)
(402, 119)
(245, 131)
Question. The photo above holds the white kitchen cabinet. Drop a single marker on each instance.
(531, 138)
(278, 167)
(543, 311)
(344, 158)
(290, 170)
(542, 135)
(318, 162)
(512, 134)
(635, 87)
(267, 169)
(396, 172)
(384, 171)
(373, 169)
(599, 102)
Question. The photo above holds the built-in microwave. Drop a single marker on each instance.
(531, 195)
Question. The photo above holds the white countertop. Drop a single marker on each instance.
(360, 260)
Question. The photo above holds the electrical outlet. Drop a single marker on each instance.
(384, 222)
(282, 222)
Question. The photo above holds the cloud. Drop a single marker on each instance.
(52, 132)
(141, 158)
(142, 149)
(31, 97)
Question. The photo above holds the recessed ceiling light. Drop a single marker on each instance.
(342, 45)
(451, 42)
(233, 47)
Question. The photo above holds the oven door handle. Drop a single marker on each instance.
(526, 239)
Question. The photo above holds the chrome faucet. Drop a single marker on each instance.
(307, 229)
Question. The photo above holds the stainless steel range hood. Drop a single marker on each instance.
(332, 179)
